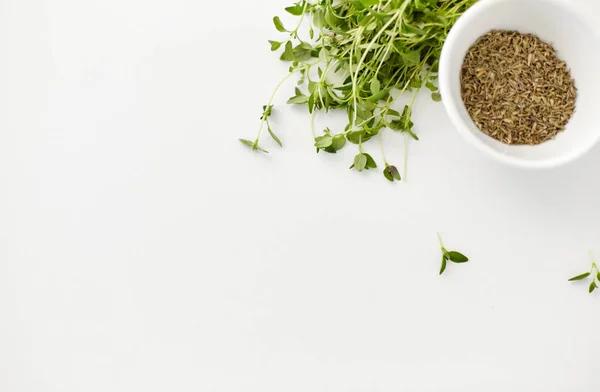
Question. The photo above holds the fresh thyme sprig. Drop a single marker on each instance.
(594, 273)
(453, 256)
(361, 56)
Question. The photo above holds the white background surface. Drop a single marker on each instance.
(142, 248)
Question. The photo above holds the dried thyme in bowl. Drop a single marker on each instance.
(516, 89)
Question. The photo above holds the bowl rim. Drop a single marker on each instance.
(452, 106)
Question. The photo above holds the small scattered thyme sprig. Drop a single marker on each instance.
(453, 256)
(594, 273)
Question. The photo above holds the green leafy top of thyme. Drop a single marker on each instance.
(360, 56)
(593, 272)
(453, 256)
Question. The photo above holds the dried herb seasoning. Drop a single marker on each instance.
(516, 89)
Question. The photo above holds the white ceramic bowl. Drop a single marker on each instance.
(556, 22)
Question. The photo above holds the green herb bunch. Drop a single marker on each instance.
(594, 273)
(360, 56)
